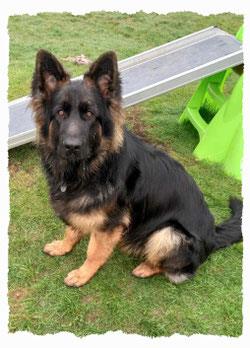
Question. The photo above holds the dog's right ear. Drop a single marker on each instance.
(49, 74)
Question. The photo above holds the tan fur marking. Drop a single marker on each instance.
(95, 220)
(50, 135)
(113, 144)
(88, 222)
(130, 249)
(36, 104)
(61, 247)
(100, 247)
(117, 114)
(161, 244)
(126, 219)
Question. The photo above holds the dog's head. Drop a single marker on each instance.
(79, 119)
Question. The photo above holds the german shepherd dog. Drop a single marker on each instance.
(107, 183)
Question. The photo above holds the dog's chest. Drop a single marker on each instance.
(66, 203)
(92, 197)
(89, 222)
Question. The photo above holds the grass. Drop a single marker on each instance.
(40, 303)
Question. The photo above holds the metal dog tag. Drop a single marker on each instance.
(63, 188)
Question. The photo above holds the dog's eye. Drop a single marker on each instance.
(89, 114)
(61, 113)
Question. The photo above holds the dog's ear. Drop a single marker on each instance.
(104, 73)
(49, 74)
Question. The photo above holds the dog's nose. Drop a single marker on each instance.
(72, 145)
(72, 148)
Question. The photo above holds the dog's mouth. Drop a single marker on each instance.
(72, 165)
(73, 157)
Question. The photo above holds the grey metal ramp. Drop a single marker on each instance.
(21, 125)
(152, 73)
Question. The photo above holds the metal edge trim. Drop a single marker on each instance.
(22, 138)
(231, 60)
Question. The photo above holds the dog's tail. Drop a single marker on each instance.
(229, 231)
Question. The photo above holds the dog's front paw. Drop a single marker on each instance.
(56, 248)
(76, 278)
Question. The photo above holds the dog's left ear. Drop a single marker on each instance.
(104, 73)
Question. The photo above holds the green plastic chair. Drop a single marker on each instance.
(222, 139)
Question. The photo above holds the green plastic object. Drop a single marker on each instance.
(239, 34)
(221, 140)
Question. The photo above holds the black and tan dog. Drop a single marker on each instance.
(107, 183)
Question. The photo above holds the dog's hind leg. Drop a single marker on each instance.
(167, 251)
(64, 246)
(146, 270)
(160, 244)
(100, 247)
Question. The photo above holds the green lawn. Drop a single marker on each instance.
(40, 303)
